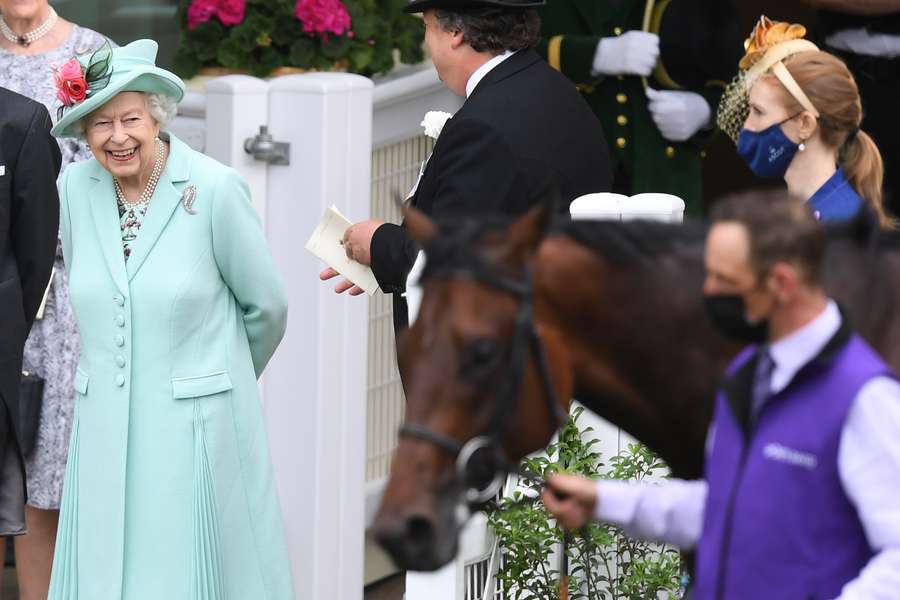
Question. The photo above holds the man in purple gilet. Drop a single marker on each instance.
(801, 496)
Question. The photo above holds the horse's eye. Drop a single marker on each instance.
(480, 358)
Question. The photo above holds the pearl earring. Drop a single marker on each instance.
(802, 146)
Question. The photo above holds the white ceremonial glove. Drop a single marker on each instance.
(678, 115)
(632, 53)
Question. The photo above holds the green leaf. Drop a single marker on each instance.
(361, 56)
(186, 64)
(269, 60)
(286, 31)
(303, 53)
(336, 46)
(232, 54)
(363, 26)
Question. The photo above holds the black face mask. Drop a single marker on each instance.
(728, 314)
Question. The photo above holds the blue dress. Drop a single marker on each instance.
(836, 200)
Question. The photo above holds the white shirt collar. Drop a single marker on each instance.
(484, 69)
(793, 351)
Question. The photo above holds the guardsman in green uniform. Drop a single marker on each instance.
(653, 71)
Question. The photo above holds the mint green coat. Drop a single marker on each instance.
(169, 492)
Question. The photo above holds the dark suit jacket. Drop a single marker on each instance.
(29, 221)
(524, 133)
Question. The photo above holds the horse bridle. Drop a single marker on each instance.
(524, 339)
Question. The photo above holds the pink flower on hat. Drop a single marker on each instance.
(71, 87)
(323, 16)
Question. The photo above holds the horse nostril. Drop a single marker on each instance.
(420, 531)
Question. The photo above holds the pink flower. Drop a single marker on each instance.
(231, 12)
(323, 16)
(71, 87)
(200, 11)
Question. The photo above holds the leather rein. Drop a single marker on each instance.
(525, 340)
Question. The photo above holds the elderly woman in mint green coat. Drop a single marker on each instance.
(169, 491)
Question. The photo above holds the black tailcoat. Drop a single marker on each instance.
(29, 221)
(524, 133)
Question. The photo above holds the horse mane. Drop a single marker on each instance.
(630, 243)
(641, 242)
(633, 242)
(456, 245)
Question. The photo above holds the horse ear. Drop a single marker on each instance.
(526, 233)
(419, 226)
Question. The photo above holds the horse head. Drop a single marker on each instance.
(478, 364)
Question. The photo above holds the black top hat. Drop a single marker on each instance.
(463, 5)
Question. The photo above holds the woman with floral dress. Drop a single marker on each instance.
(34, 41)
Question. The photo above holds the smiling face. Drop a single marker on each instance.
(122, 135)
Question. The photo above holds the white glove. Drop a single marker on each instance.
(632, 53)
(678, 115)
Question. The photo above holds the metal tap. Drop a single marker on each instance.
(263, 147)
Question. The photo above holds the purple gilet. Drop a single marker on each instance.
(777, 522)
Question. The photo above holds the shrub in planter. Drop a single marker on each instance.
(260, 36)
(604, 563)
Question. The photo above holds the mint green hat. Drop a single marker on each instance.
(109, 71)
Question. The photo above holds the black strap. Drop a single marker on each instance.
(438, 439)
(556, 412)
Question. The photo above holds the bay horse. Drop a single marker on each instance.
(612, 315)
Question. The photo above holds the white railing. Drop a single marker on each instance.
(398, 149)
(394, 169)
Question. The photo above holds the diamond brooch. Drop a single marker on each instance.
(187, 199)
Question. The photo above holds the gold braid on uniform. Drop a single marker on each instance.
(768, 44)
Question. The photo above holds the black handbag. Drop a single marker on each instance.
(31, 396)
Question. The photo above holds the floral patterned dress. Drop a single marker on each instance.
(52, 348)
(130, 219)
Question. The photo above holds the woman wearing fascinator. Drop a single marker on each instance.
(794, 112)
(169, 490)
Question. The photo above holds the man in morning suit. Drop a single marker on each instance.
(29, 221)
(523, 133)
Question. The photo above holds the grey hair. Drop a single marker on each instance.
(161, 107)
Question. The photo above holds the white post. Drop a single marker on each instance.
(316, 384)
(449, 582)
(236, 105)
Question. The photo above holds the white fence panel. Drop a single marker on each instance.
(238, 105)
(316, 384)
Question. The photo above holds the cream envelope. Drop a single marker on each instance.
(325, 242)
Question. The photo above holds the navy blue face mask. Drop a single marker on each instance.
(768, 152)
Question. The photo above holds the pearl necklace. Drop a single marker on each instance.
(26, 39)
(145, 196)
